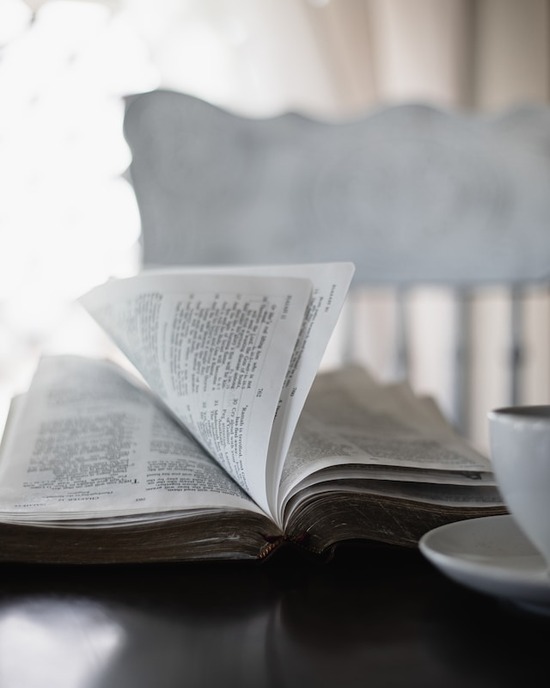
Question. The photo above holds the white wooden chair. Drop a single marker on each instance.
(414, 195)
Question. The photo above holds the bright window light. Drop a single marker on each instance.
(68, 219)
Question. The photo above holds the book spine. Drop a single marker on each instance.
(270, 545)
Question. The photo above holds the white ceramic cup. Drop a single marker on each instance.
(520, 454)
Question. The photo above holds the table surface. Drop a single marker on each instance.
(371, 616)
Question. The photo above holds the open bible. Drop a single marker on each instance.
(220, 439)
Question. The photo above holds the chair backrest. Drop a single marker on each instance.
(411, 193)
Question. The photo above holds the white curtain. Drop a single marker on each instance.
(337, 57)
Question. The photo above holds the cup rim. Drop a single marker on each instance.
(525, 413)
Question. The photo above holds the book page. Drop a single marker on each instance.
(85, 440)
(349, 419)
(216, 349)
(330, 285)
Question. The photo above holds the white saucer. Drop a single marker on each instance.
(493, 556)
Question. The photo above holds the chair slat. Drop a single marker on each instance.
(462, 360)
(516, 344)
(402, 354)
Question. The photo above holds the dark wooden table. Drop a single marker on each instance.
(372, 616)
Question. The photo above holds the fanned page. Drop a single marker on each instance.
(216, 349)
(330, 285)
(87, 442)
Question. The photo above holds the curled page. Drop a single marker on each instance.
(216, 349)
(330, 285)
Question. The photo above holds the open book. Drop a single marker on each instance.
(221, 440)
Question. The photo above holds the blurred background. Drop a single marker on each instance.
(68, 217)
